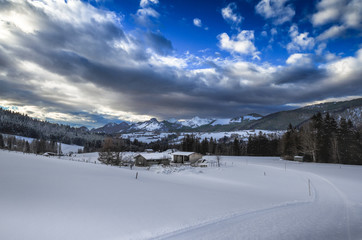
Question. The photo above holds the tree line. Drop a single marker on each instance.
(260, 144)
(324, 140)
(36, 146)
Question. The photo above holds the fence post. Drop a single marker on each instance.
(309, 186)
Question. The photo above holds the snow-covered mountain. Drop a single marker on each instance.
(172, 124)
(196, 122)
(111, 128)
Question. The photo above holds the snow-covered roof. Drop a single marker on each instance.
(183, 153)
(153, 156)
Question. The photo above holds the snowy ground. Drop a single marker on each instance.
(246, 198)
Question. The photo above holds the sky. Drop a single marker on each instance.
(92, 62)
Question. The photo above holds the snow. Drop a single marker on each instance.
(155, 156)
(246, 198)
(182, 153)
(66, 148)
(149, 126)
(148, 137)
(221, 121)
(196, 122)
(226, 121)
(251, 118)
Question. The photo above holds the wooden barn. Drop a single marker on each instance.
(148, 159)
(186, 157)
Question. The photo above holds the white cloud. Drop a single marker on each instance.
(353, 14)
(301, 59)
(320, 48)
(166, 61)
(332, 32)
(145, 3)
(345, 70)
(345, 12)
(249, 74)
(328, 11)
(277, 10)
(197, 22)
(300, 41)
(241, 44)
(145, 12)
(228, 13)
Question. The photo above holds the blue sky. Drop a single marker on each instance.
(92, 62)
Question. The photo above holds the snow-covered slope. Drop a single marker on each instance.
(150, 125)
(246, 198)
(112, 127)
(196, 122)
(226, 121)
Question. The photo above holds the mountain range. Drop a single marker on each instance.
(276, 121)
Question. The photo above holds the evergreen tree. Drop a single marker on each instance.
(236, 147)
(290, 143)
(2, 145)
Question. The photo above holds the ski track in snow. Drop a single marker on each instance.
(284, 221)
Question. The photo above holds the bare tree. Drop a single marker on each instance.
(309, 141)
(218, 160)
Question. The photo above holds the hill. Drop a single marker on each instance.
(279, 121)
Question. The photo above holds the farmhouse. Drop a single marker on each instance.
(148, 159)
(186, 157)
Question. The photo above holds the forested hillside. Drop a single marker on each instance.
(23, 125)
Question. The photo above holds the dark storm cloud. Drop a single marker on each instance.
(297, 75)
(159, 43)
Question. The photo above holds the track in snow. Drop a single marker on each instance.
(326, 216)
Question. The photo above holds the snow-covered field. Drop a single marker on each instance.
(246, 198)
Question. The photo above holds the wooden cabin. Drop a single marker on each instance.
(186, 157)
(148, 159)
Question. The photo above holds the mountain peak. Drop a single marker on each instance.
(153, 120)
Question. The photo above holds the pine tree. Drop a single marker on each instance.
(2, 145)
(289, 143)
(236, 147)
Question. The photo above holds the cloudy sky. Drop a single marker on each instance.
(92, 62)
